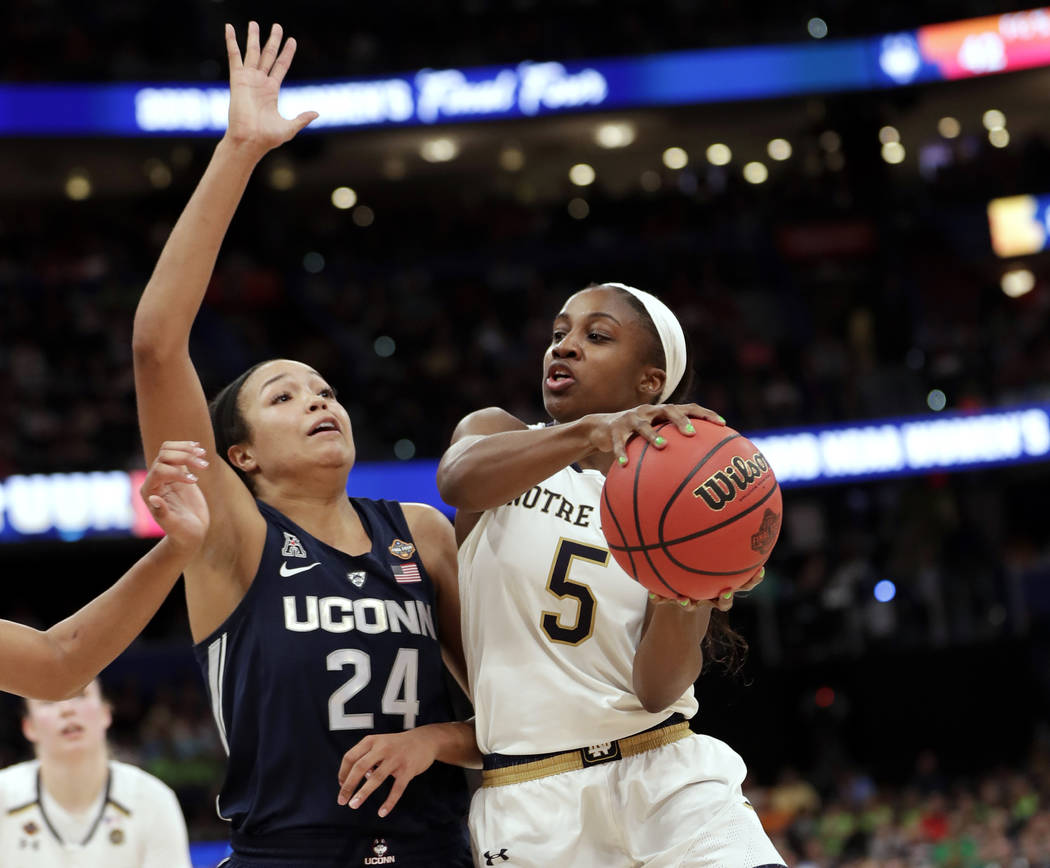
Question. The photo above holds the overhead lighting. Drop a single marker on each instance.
(617, 134)
(78, 185)
(578, 208)
(282, 177)
(993, 119)
(779, 149)
(439, 150)
(949, 127)
(830, 141)
(512, 159)
(675, 158)
(582, 174)
(889, 134)
(394, 168)
(362, 215)
(893, 152)
(158, 173)
(650, 181)
(719, 154)
(817, 28)
(999, 137)
(755, 172)
(1017, 282)
(344, 198)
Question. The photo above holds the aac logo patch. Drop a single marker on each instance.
(401, 549)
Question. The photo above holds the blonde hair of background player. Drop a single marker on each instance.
(56, 663)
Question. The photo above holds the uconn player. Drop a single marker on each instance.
(606, 675)
(316, 617)
(54, 664)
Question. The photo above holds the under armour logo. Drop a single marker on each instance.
(491, 858)
(596, 751)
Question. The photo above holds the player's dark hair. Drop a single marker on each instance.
(227, 421)
(656, 349)
(722, 645)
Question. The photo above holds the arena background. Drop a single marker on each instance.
(836, 262)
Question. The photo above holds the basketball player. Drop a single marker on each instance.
(53, 664)
(316, 617)
(74, 806)
(580, 684)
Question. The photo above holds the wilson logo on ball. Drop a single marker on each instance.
(722, 486)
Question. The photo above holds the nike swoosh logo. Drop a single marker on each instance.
(291, 571)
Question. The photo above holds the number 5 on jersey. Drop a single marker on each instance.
(560, 586)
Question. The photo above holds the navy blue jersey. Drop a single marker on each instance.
(324, 649)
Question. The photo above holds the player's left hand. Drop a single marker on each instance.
(723, 602)
(400, 755)
(171, 493)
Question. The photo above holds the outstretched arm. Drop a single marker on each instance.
(171, 401)
(494, 456)
(54, 664)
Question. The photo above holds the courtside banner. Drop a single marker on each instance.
(938, 52)
(72, 506)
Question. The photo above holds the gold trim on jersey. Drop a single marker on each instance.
(574, 760)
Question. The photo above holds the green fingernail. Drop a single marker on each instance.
(660, 441)
(652, 596)
(728, 595)
(720, 419)
(689, 429)
(684, 602)
(761, 572)
(622, 459)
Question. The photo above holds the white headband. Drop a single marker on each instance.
(671, 336)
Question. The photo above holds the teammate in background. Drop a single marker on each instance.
(580, 685)
(74, 806)
(313, 613)
(56, 663)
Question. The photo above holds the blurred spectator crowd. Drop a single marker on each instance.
(999, 819)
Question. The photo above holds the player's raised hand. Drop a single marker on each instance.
(171, 493)
(255, 82)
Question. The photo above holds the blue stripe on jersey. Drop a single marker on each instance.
(324, 649)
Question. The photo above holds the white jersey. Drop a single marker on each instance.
(551, 624)
(137, 824)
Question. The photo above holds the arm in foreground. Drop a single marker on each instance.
(55, 663)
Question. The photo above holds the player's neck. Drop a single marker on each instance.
(332, 520)
(75, 782)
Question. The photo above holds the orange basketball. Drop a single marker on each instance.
(694, 518)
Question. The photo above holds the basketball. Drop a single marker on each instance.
(694, 518)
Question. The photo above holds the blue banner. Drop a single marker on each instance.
(70, 506)
(979, 46)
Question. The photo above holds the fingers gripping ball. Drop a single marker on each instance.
(696, 517)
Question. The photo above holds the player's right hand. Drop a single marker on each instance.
(170, 491)
(610, 431)
(255, 83)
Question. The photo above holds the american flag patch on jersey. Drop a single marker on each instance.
(406, 573)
